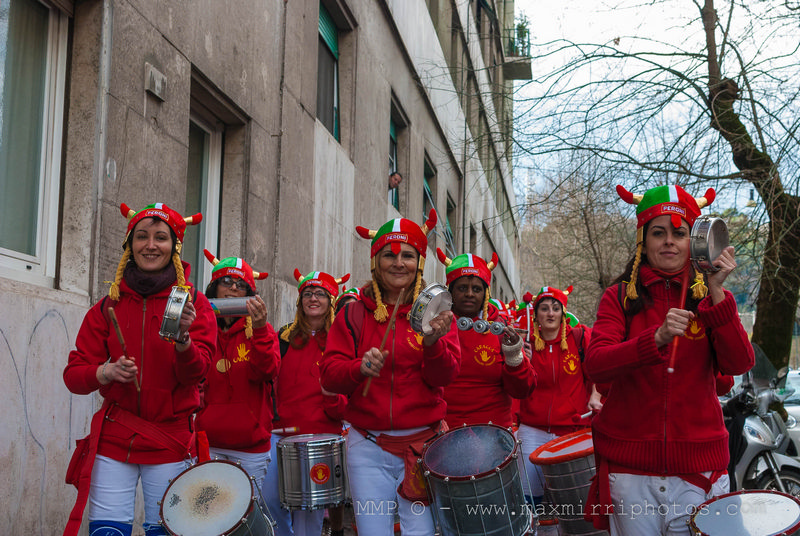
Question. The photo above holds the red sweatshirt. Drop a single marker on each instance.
(483, 390)
(562, 388)
(654, 421)
(237, 412)
(301, 403)
(169, 379)
(409, 392)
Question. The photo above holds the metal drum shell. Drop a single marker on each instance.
(433, 298)
(170, 323)
(297, 457)
(497, 490)
(213, 498)
(230, 306)
(709, 236)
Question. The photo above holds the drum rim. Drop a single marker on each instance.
(508, 459)
(423, 300)
(701, 256)
(293, 439)
(535, 459)
(788, 530)
(191, 467)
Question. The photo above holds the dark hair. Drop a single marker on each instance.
(393, 173)
(343, 301)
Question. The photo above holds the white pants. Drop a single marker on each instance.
(300, 522)
(112, 494)
(533, 438)
(374, 477)
(254, 463)
(656, 504)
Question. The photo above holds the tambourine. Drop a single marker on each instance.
(170, 325)
(709, 237)
(432, 300)
(230, 306)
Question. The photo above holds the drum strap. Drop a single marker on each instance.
(149, 430)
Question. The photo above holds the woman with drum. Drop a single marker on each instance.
(494, 368)
(144, 429)
(563, 392)
(660, 444)
(237, 400)
(303, 406)
(394, 378)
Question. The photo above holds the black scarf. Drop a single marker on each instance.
(149, 283)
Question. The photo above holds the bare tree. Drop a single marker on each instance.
(694, 110)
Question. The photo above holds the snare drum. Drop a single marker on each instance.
(434, 299)
(312, 471)
(709, 236)
(170, 325)
(213, 498)
(748, 513)
(567, 463)
(473, 477)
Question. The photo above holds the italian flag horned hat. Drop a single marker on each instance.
(472, 265)
(320, 279)
(671, 200)
(235, 267)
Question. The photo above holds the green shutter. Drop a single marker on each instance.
(392, 130)
(328, 31)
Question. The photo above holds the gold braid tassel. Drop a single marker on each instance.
(176, 260)
(113, 292)
(564, 345)
(417, 287)
(288, 331)
(699, 289)
(248, 327)
(538, 345)
(631, 290)
(331, 316)
(381, 314)
(486, 304)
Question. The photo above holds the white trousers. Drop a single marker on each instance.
(656, 504)
(374, 477)
(296, 522)
(112, 494)
(254, 463)
(533, 438)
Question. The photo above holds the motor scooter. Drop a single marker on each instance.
(758, 437)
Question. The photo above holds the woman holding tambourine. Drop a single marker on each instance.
(659, 442)
(149, 384)
(394, 378)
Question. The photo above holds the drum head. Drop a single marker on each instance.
(434, 299)
(564, 449)
(709, 237)
(207, 499)
(469, 451)
(748, 513)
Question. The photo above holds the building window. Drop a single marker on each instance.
(449, 236)
(33, 46)
(328, 73)
(394, 197)
(203, 193)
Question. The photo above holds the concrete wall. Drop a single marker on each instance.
(291, 193)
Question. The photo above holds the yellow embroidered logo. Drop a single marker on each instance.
(571, 364)
(484, 355)
(695, 331)
(243, 354)
(414, 340)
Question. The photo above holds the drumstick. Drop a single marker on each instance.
(386, 335)
(676, 338)
(288, 430)
(121, 340)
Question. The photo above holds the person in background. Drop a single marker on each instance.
(144, 430)
(493, 367)
(394, 378)
(347, 296)
(395, 178)
(303, 406)
(237, 402)
(563, 391)
(660, 442)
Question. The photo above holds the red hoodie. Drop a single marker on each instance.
(483, 390)
(409, 392)
(237, 412)
(168, 378)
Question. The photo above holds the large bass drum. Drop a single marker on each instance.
(213, 498)
(709, 237)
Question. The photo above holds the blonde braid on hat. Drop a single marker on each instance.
(564, 345)
(486, 304)
(538, 345)
(631, 290)
(113, 292)
(380, 314)
(699, 289)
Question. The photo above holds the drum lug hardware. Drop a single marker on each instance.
(472, 477)
(447, 479)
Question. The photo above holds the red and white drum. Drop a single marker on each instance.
(213, 498)
(748, 513)
(567, 463)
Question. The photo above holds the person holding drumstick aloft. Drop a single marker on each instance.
(563, 393)
(394, 378)
(660, 444)
(143, 433)
(237, 402)
(494, 368)
(303, 406)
